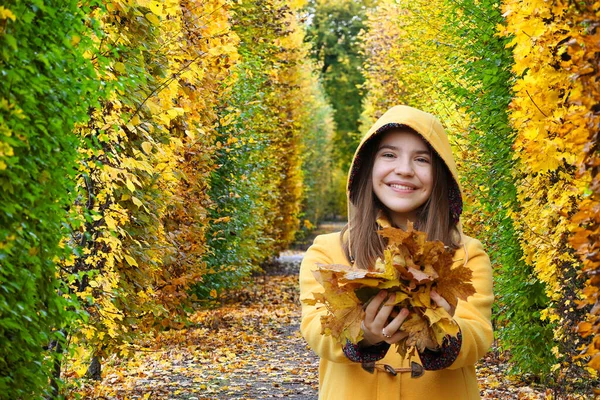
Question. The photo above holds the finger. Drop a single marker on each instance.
(397, 322)
(441, 302)
(396, 337)
(383, 314)
(372, 331)
(373, 307)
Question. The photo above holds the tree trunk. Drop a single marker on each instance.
(57, 348)
(94, 370)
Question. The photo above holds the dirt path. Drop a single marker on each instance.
(282, 366)
(248, 347)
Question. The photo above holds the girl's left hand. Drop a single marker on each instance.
(441, 302)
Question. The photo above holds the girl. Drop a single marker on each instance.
(403, 170)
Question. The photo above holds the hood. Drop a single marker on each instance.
(430, 128)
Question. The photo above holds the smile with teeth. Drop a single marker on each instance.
(401, 187)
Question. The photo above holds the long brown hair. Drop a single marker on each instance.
(433, 217)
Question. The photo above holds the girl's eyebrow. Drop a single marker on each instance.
(389, 146)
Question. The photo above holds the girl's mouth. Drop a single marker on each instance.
(400, 187)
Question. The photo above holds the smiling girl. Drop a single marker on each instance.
(403, 170)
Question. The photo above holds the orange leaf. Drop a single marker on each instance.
(454, 283)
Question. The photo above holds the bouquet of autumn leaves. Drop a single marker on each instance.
(411, 267)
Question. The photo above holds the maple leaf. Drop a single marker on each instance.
(419, 276)
(396, 236)
(421, 298)
(344, 324)
(334, 296)
(399, 297)
(436, 314)
(418, 332)
(443, 327)
(345, 310)
(454, 283)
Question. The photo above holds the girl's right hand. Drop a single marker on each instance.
(376, 328)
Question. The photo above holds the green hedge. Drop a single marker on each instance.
(274, 122)
(47, 86)
(485, 92)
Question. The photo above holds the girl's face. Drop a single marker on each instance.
(402, 174)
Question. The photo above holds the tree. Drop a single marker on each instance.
(333, 29)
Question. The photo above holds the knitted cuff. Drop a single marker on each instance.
(443, 357)
(360, 354)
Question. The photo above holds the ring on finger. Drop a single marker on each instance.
(383, 332)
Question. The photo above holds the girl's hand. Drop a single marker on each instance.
(441, 302)
(376, 327)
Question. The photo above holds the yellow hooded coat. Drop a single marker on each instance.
(341, 378)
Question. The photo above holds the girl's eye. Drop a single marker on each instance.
(387, 155)
(423, 160)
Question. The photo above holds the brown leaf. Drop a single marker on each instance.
(418, 332)
(422, 298)
(345, 309)
(454, 283)
(419, 276)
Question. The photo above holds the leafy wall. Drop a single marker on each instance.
(511, 81)
(140, 166)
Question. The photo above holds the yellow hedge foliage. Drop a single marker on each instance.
(144, 209)
(581, 60)
(551, 136)
(143, 190)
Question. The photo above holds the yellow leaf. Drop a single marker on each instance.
(175, 112)
(130, 185)
(422, 298)
(436, 314)
(418, 332)
(189, 133)
(131, 261)
(119, 67)
(153, 18)
(147, 147)
(227, 120)
(156, 7)
(81, 358)
(445, 327)
(176, 142)
(110, 223)
(5, 13)
(136, 201)
(222, 219)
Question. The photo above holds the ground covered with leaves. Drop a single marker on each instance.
(248, 347)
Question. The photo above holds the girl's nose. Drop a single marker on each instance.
(404, 167)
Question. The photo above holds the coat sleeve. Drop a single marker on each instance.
(324, 346)
(474, 315)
